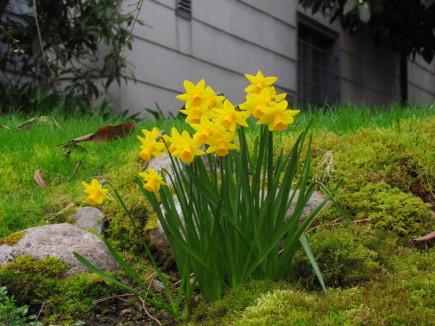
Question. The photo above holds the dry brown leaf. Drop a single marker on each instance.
(105, 134)
(38, 178)
(427, 237)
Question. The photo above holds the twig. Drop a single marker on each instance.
(35, 14)
(14, 41)
(61, 211)
(331, 223)
(130, 36)
(114, 296)
(40, 310)
(179, 282)
(151, 278)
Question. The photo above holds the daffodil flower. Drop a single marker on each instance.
(194, 115)
(206, 129)
(230, 118)
(196, 96)
(278, 116)
(221, 143)
(183, 146)
(255, 104)
(95, 192)
(277, 97)
(215, 102)
(153, 180)
(150, 147)
(259, 82)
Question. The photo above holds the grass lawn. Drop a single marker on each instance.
(375, 277)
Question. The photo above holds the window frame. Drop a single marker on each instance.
(332, 68)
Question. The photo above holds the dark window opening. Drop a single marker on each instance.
(318, 63)
(184, 9)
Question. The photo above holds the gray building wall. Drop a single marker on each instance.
(228, 38)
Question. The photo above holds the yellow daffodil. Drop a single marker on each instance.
(215, 102)
(150, 147)
(278, 116)
(259, 82)
(183, 146)
(153, 180)
(194, 115)
(95, 192)
(221, 143)
(206, 129)
(229, 118)
(256, 104)
(277, 97)
(196, 96)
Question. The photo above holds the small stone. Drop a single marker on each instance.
(89, 217)
(157, 284)
(60, 240)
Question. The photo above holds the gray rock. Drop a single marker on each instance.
(316, 199)
(89, 217)
(60, 240)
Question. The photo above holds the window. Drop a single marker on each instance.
(184, 9)
(318, 63)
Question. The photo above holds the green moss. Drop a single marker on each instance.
(42, 284)
(13, 239)
(74, 299)
(387, 208)
(291, 307)
(49, 267)
(402, 160)
(32, 280)
(402, 296)
(399, 293)
(225, 310)
(342, 257)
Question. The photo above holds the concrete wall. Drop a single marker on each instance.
(228, 38)
(421, 81)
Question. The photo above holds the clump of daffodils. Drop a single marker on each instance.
(215, 121)
(233, 225)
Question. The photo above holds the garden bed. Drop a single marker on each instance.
(374, 275)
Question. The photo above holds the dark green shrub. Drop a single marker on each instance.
(84, 40)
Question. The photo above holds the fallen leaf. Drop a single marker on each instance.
(38, 178)
(427, 237)
(105, 134)
(28, 124)
(4, 127)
